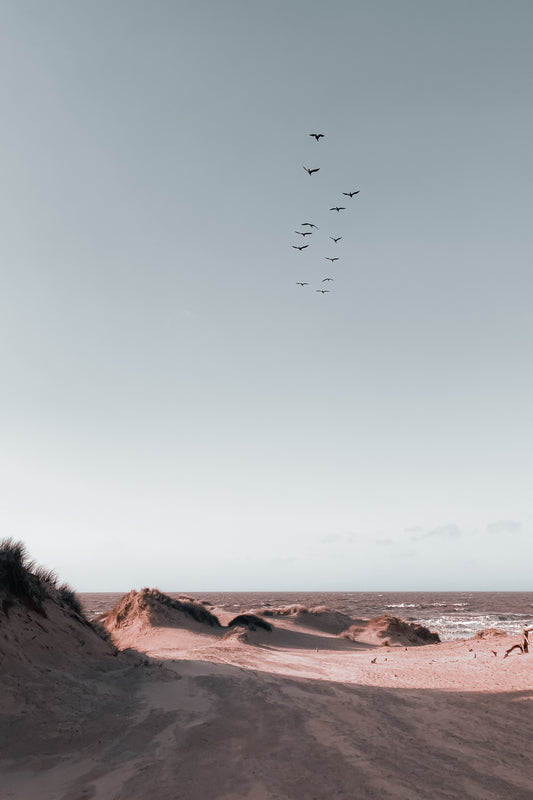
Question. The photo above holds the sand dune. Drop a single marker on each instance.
(201, 711)
(320, 617)
(41, 623)
(389, 630)
(137, 614)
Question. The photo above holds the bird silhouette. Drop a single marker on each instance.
(304, 233)
(336, 239)
(302, 247)
(322, 291)
(351, 194)
(310, 171)
(317, 135)
(309, 225)
(338, 208)
(301, 283)
(331, 259)
(327, 279)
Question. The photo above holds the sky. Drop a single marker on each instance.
(175, 410)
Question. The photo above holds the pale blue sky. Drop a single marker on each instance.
(175, 411)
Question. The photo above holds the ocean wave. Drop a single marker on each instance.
(452, 627)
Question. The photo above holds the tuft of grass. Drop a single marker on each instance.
(70, 598)
(251, 621)
(45, 575)
(392, 628)
(18, 581)
(23, 581)
(187, 605)
(353, 632)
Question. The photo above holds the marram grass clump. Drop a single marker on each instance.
(23, 581)
(251, 621)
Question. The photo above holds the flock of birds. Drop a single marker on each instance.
(310, 227)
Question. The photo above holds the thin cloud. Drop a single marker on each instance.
(414, 529)
(451, 531)
(331, 538)
(337, 538)
(504, 526)
(404, 554)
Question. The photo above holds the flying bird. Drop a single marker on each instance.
(322, 291)
(304, 233)
(336, 239)
(331, 259)
(310, 171)
(317, 135)
(351, 194)
(338, 208)
(301, 283)
(302, 247)
(327, 279)
(309, 225)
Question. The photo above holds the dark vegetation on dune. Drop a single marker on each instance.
(251, 621)
(395, 629)
(26, 585)
(150, 601)
(23, 581)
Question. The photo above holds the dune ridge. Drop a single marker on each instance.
(153, 607)
(41, 621)
(319, 617)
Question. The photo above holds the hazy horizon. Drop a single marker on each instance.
(176, 410)
(184, 591)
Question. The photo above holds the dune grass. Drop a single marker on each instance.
(391, 628)
(20, 579)
(187, 605)
(129, 606)
(25, 582)
(251, 621)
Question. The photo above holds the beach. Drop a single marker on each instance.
(267, 400)
(173, 707)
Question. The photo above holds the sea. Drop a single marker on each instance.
(453, 615)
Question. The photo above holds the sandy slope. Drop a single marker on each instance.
(294, 714)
